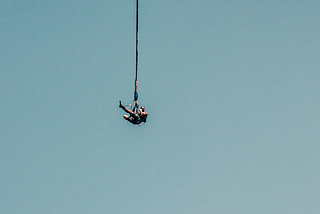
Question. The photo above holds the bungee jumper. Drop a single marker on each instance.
(137, 116)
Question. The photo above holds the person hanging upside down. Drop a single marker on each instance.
(137, 115)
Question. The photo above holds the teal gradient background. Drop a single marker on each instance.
(231, 88)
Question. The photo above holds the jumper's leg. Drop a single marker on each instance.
(124, 108)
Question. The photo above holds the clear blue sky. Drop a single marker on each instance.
(231, 87)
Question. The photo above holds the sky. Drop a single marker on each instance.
(231, 88)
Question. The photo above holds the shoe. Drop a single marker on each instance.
(120, 105)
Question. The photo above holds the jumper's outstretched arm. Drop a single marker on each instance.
(136, 107)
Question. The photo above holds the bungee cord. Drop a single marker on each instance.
(136, 80)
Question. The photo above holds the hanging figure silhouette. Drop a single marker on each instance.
(137, 116)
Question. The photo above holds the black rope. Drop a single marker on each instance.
(137, 42)
(136, 80)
